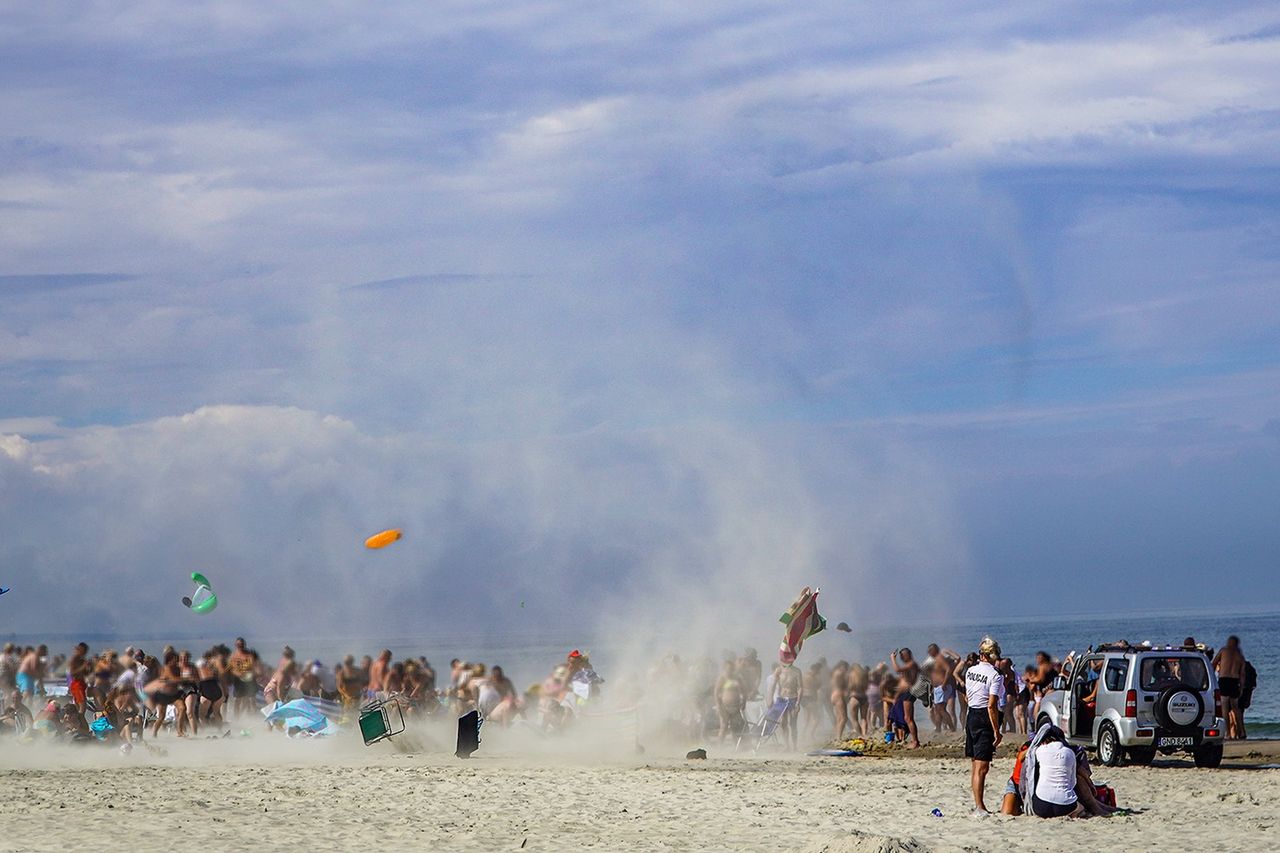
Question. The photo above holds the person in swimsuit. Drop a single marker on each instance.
(30, 676)
(875, 707)
(907, 667)
(162, 692)
(1229, 664)
(859, 709)
(789, 684)
(282, 680)
(378, 674)
(839, 698)
(210, 697)
(731, 701)
(244, 680)
(78, 670)
(896, 719)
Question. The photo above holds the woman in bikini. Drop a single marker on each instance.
(875, 708)
(859, 681)
(210, 694)
(839, 698)
(162, 691)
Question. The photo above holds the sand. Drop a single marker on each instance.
(268, 793)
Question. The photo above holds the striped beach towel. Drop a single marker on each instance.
(803, 621)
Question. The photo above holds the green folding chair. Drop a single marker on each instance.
(376, 722)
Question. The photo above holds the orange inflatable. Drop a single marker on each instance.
(383, 539)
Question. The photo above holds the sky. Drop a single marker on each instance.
(636, 314)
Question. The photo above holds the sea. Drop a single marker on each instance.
(528, 659)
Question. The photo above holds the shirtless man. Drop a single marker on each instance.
(909, 670)
(78, 669)
(282, 680)
(244, 683)
(1229, 664)
(30, 677)
(1043, 681)
(788, 684)
(378, 671)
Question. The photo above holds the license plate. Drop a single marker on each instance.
(1175, 741)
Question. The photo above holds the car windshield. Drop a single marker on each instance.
(1159, 673)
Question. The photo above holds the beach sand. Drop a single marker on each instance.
(270, 793)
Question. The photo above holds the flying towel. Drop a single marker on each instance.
(803, 621)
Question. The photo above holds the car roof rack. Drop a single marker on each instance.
(1148, 646)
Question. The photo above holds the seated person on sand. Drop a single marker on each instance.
(16, 719)
(1083, 790)
(124, 713)
(731, 701)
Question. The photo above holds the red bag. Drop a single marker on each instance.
(1105, 794)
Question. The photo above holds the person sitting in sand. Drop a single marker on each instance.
(16, 718)
(731, 701)
(1086, 792)
(1054, 794)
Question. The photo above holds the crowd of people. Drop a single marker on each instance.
(117, 697)
(113, 696)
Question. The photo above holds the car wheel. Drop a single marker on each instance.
(1209, 755)
(1109, 751)
(1143, 755)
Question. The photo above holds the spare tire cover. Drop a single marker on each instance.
(1180, 708)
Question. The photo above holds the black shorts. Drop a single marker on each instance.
(210, 689)
(1229, 687)
(244, 688)
(979, 737)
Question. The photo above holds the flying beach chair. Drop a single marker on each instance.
(377, 723)
(768, 725)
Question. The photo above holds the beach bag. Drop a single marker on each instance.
(923, 691)
(1105, 794)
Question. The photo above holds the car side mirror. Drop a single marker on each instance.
(1058, 683)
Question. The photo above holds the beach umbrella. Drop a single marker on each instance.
(203, 599)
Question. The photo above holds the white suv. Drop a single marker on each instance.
(1137, 701)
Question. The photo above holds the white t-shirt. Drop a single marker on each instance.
(1056, 773)
(983, 686)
